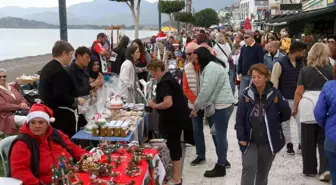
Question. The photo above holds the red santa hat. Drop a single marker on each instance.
(161, 36)
(39, 110)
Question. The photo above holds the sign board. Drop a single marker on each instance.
(313, 5)
(291, 6)
(331, 2)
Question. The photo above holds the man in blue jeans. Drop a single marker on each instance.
(250, 54)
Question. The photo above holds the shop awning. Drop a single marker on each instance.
(301, 15)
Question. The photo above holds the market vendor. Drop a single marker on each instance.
(38, 147)
(173, 113)
(76, 71)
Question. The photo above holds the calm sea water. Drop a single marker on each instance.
(30, 42)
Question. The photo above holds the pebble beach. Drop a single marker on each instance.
(25, 65)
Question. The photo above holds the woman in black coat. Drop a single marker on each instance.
(173, 113)
(120, 50)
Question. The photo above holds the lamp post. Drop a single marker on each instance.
(63, 20)
(159, 10)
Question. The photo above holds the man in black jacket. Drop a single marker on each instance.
(57, 90)
(80, 79)
(77, 74)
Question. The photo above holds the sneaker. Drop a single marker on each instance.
(197, 161)
(325, 177)
(217, 171)
(227, 164)
(290, 149)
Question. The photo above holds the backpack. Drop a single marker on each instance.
(34, 148)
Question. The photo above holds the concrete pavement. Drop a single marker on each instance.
(286, 169)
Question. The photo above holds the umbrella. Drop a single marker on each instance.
(166, 29)
(247, 24)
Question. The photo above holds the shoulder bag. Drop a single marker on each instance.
(230, 60)
(210, 110)
(321, 74)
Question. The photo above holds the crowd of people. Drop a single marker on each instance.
(276, 77)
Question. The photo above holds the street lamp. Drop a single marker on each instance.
(63, 20)
(159, 10)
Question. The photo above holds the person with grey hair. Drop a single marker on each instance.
(223, 52)
(273, 54)
(12, 105)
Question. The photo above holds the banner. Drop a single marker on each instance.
(331, 2)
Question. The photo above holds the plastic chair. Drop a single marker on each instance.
(4, 149)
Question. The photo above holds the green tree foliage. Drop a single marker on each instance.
(206, 18)
(169, 7)
(185, 17)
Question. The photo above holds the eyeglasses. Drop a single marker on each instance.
(3, 76)
(246, 37)
(331, 42)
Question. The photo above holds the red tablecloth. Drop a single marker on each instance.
(122, 178)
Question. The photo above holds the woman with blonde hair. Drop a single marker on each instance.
(223, 51)
(311, 80)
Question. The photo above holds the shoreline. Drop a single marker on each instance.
(29, 65)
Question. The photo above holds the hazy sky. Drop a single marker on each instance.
(41, 3)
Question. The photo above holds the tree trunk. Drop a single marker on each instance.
(136, 16)
(170, 22)
(137, 22)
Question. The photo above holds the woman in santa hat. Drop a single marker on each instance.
(38, 146)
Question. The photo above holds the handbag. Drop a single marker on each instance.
(230, 60)
(321, 74)
(211, 109)
(21, 112)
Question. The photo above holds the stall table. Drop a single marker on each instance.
(136, 135)
(148, 175)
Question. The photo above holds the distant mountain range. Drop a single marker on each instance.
(102, 12)
(14, 22)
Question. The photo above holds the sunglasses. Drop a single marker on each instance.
(189, 54)
(3, 76)
(246, 37)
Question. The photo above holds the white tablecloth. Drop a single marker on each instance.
(11, 181)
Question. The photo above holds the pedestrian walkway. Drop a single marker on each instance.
(286, 170)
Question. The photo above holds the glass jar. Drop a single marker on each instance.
(102, 131)
(95, 131)
(109, 132)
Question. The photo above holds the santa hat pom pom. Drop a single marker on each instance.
(52, 119)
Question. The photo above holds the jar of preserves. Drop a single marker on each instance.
(95, 131)
(109, 131)
(102, 131)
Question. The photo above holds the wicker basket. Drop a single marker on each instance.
(25, 81)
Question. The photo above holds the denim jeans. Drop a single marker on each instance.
(231, 78)
(245, 82)
(330, 152)
(197, 123)
(221, 120)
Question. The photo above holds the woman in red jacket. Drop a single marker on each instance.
(38, 147)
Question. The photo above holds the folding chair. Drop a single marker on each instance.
(4, 149)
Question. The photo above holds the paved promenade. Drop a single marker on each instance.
(286, 170)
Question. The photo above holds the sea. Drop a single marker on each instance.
(15, 43)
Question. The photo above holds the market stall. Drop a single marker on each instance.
(112, 164)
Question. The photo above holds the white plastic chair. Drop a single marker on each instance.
(4, 149)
